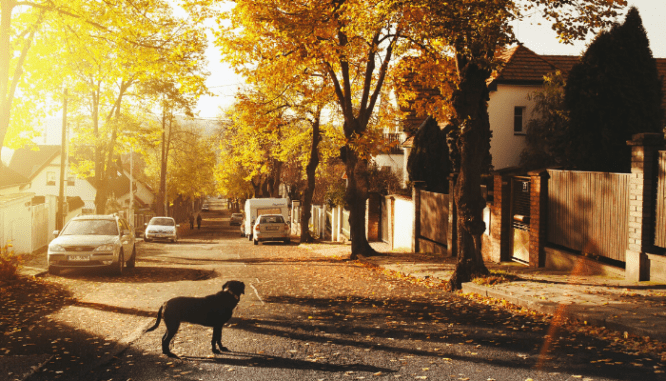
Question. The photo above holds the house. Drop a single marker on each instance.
(41, 167)
(11, 181)
(510, 106)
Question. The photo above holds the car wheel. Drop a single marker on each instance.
(175, 239)
(132, 261)
(287, 241)
(118, 270)
(256, 242)
(54, 270)
(249, 237)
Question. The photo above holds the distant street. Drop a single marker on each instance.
(304, 316)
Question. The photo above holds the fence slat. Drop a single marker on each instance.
(660, 219)
(588, 212)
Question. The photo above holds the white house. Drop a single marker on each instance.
(42, 168)
(510, 107)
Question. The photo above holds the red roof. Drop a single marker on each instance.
(523, 66)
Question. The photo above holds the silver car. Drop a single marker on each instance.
(164, 228)
(236, 219)
(270, 227)
(93, 241)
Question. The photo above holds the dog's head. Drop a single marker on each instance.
(235, 287)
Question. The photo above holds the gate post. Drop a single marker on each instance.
(642, 185)
(417, 187)
(500, 223)
(452, 233)
(538, 212)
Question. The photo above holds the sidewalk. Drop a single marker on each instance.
(611, 302)
(607, 301)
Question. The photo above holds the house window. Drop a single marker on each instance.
(50, 178)
(518, 120)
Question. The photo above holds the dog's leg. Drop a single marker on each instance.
(171, 329)
(217, 339)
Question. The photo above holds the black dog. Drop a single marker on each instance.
(210, 311)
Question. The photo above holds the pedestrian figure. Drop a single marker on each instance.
(199, 221)
(191, 221)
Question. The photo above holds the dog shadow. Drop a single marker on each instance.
(245, 359)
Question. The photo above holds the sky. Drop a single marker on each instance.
(539, 38)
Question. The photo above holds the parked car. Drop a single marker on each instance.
(161, 228)
(104, 241)
(236, 219)
(270, 227)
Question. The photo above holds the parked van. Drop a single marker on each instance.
(258, 206)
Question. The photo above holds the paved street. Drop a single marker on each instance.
(305, 316)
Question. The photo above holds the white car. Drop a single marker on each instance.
(270, 227)
(93, 241)
(161, 228)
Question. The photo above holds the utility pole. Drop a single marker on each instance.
(130, 214)
(61, 213)
(163, 169)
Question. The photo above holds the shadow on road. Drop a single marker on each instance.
(140, 274)
(261, 361)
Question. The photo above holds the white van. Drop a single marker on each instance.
(258, 206)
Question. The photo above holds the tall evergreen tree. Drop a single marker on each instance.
(613, 93)
(429, 159)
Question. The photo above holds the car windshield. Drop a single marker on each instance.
(162, 222)
(271, 220)
(91, 227)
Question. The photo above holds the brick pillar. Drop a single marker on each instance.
(452, 233)
(500, 222)
(642, 186)
(538, 214)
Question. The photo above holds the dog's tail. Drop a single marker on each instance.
(159, 319)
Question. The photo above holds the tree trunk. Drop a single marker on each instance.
(310, 171)
(472, 146)
(356, 196)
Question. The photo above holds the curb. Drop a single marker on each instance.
(608, 317)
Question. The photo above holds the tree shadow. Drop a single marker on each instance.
(139, 274)
(264, 361)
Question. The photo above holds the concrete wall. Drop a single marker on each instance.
(16, 222)
(403, 224)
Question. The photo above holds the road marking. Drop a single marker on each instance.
(257, 293)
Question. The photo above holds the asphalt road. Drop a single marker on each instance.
(304, 317)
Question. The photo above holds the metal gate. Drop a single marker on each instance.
(520, 218)
(384, 220)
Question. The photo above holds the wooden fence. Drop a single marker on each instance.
(660, 215)
(434, 216)
(588, 212)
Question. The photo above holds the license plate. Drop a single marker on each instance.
(79, 258)
(161, 236)
(272, 227)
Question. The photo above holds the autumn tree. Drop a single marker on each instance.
(471, 33)
(611, 94)
(353, 43)
(100, 50)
